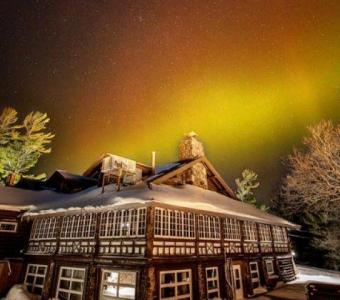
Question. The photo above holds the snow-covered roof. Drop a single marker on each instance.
(174, 169)
(185, 196)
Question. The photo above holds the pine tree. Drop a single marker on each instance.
(21, 145)
(245, 187)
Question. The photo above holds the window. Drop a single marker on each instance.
(174, 223)
(35, 278)
(280, 234)
(141, 221)
(249, 231)
(254, 274)
(44, 229)
(270, 267)
(123, 223)
(8, 226)
(175, 284)
(232, 229)
(209, 227)
(213, 291)
(265, 235)
(78, 226)
(118, 285)
(70, 283)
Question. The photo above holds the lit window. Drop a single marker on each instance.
(78, 226)
(175, 284)
(270, 267)
(120, 223)
(213, 291)
(118, 285)
(232, 229)
(44, 228)
(265, 235)
(173, 223)
(254, 274)
(71, 283)
(35, 278)
(8, 226)
(125, 223)
(249, 231)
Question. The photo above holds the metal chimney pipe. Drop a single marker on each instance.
(153, 162)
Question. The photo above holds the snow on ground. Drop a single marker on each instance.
(19, 292)
(303, 278)
(310, 274)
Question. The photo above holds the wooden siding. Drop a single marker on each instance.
(159, 254)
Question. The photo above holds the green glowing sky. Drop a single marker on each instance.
(129, 77)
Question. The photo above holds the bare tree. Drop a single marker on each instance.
(310, 194)
(313, 183)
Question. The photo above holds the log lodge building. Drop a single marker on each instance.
(125, 230)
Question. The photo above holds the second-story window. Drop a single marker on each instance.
(249, 231)
(265, 235)
(78, 226)
(209, 227)
(232, 229)
(174, 223)
(280, 234)
(123, 223)
(44, 228)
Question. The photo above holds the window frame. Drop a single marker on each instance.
(257, 271)
(118, 284)
(73, 225)
(215, 278)
(250, 228)
(271, 262)
(44, 228)
(175, 284)
(265, 233)
(36, 275)
(174, 224)
(232, 229)
(122, 223)
(15, 223)
(209, 227)
(70, 280)
(280, 234)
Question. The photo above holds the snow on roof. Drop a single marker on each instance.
(164, 169)
(185, 196)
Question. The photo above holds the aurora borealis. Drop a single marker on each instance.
(129, 77)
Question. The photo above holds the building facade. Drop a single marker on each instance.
(173, 232)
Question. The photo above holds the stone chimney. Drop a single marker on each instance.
(190, 148)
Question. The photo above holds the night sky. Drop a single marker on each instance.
(129, 77)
